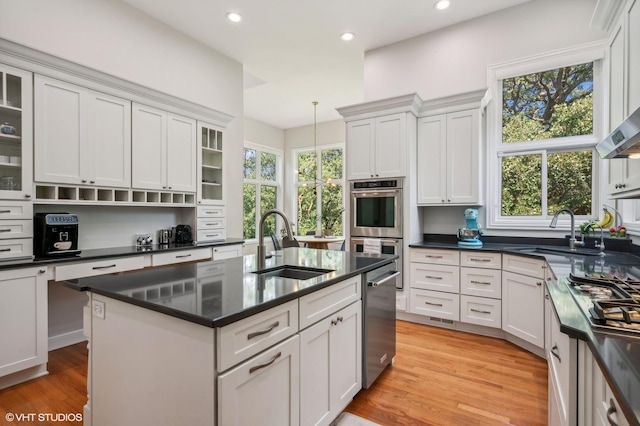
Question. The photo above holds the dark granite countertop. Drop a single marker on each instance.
(617, 354)
(103, 253)
(217, 293)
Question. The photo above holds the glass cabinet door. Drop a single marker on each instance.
(16, 133)
(210, 164)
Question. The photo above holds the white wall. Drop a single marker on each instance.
(455, 59)
(116, 39)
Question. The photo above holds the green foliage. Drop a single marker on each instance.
(522, 185)
(249, 209)
(569, 182)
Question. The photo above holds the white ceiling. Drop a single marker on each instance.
(291, 50)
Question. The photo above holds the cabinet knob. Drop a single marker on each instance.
(92, 181)
(443, 200)
(27, 195)
(42, 271)
(83, 181)
(448, 200)
(538, 283)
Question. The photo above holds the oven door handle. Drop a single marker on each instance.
(384, 280)
(383, 241)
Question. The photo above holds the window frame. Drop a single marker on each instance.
(278, 183)
(295, 153)
(496, 149)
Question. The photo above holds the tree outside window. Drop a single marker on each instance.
(546, 153)
(322, 197)
(260, 190)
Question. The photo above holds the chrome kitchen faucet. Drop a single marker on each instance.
(572, 241)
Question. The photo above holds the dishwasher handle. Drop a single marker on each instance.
(384, 280)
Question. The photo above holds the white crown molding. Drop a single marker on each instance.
(606, 14)
(39, 62)
(405, 103)
(452, 103)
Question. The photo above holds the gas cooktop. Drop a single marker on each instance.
(609, 302)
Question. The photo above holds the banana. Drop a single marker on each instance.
(606, 221)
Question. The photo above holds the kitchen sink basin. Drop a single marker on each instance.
(293, 272)
(562, 250)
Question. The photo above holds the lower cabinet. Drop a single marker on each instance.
(23, 319)
(331, 357)
(523, 307)
(262, 389)
(225, 252)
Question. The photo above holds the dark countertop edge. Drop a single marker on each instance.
(584, 332)
(237, 316)
(112, 252)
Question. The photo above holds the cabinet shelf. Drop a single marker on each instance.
(11, 165)
(204, 166)
(10, 137)
(59, 194)
(212, 150)
(211, 183)
(10, 111)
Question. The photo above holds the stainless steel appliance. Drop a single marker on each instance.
(624, 141)
(388, 246)
(376, 208)
(183, 234)
(164, 236)
(609, 303)
(379, 322)
(55, 234)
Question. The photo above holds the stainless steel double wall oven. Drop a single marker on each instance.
(376, 212)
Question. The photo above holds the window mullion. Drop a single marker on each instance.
(544, 190)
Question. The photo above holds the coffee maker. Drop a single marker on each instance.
(469, 236)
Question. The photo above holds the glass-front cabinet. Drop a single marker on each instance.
(210, 164)
(16, 133)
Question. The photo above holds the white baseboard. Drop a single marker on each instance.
(66, 339)
(23, 376)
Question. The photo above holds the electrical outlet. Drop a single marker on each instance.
(143, 239)
(98, 309)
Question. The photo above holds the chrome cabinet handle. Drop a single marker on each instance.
(104, 267)
(5, 249)
(554, 348)
(433, 304)
(480, 282)
(5, 230)
(266, 364)
(5, 211)
(480, 260)
(433, 256)
(384, 280)
(479, 311)
(611, 410)
(432, 277)
(260, 333)
(182, 256)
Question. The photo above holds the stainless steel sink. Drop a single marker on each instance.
(293, 272)
(561, 250)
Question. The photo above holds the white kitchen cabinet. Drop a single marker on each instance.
(377, 147)
(82, 137)
(523, 307)
(211, 223)
(16, 229)
(16, 150)
(163, 150)
(449, 159)
(210, 164)
(226, 252)
(434, 279)
(331, 353)
(624, 95)
(23, 319)
(264, 388)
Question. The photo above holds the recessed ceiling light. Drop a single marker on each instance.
(347, 36)
(442, 4)
(234, 17)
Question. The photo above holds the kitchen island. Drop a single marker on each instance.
(215, 343)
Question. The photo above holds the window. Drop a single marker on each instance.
(319, 186)
(262, 183)
(542, 155)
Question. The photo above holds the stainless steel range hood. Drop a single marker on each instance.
(624, 141)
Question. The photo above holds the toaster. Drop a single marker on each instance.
(55, 234)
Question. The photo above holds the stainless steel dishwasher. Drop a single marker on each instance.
(379, 324)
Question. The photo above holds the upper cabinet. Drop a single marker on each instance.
(376, 147)
(82, 137)
(16, 135)
(449, 159)
(380, 137)
(163, 150)
(624, 92)
(210, 164)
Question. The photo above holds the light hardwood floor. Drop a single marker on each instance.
(440, 377)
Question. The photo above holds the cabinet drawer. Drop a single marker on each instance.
(441, 257)
(16, 229)
(478, 259)
(435, 277)
(226, 252)
(14, 248)
(481, 282)
(206, 269)
(481, 311)
(16, 210)
(180, 256)
(102, 267)
(435, 304)
(210, 211)
(245, 338)
(524, 265)
(211, 223)
(211, 235)
(322, 303)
